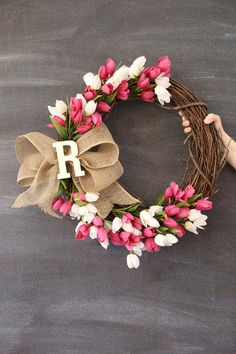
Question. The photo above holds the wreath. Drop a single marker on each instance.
(86, 157)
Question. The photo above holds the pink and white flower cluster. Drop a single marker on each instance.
(136, 229)
(111, 83)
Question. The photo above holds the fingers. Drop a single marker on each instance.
(212, 118)
(187, 130)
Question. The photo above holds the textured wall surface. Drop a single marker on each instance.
(62, 296)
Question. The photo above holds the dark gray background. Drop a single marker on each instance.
(63, 296)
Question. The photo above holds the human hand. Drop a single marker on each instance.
(210, 118)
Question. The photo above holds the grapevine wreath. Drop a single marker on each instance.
(86, 157)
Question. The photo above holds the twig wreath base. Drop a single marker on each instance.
(104, 209)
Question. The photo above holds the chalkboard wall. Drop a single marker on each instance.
(63, 296)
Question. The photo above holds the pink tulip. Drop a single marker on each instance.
(149, 231)
(147, 96)
(97, 119)
(83, 128)
(169, 222)
(102, 72)
(152, 72)
(124, 236)
(183, 213)
(89, 93)
(123, 91)
(203, 204)
(137, 223)
(164, 64)
(107, 89)
(57, 203)
(76, 104)
(168, 193)
(175, 188)
(82, 232)
(181, 231)
(102, 234)
(171, 210)
(189, 191)
(65, 207)
(59, 120)
(77, 116)
(103, 107)
(127, 217)
(97, 221)
(114, 238)
(143, 83)
(151, 246)
(110, 66)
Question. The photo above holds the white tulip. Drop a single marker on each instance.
(165, 240)
(197, 219)
(105, 243)
(128, 227)
(190, 227)
(133, 261)
(162, 94)
(81, 97)
(116, 224)
(147, 219)
(88, 217)
(136, 232)
(139, 248)
(59, 109)
(91, 197)
(163, 81)
(137, 67)
(92, 80)
(91, 208)
(75, 212)
(155, 209)
(90, 107)
(145, 216)
(93, 232)
(119, 75)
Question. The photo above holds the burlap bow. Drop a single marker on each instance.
(39, 169)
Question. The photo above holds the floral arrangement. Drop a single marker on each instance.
(126, 221)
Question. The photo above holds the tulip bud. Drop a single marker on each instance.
(103, 107)
(110, 66)
(57, 203)
(203, 204)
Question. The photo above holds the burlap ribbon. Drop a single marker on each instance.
(39, 169)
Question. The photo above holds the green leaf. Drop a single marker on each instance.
(183, 204)
(79, 202)
(61, 130)
(195, 197)
(110, 98)
(64, 182)
(159, 200)
(162, 229)
(61, 190)
(133, 207)
(173, 230)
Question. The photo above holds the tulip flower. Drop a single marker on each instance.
(155, 209)
(203, 204)
(57, 203)
(119, 75)
(93, 81)
(183, 213)
(151, 246)
(89, 93)
(123, 91)
(97, 221)
(102, 72)
(147, 219)
(103, 107)
(137, 67)
(164, 64)
(90, 107)
(172, 210)
(147, 96)
(91, 196)
(102, 234)
(162, 94)
(65, 208)
(107, 89)
(93, 232)
(116, 224)
(110, 66)
(97, 119)
(143, 83)
(149, 231)
(165, 240)
(82, 129)
(133, 261)
(169, 222)
(59, 109)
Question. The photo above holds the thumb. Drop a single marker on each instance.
(209, 119)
